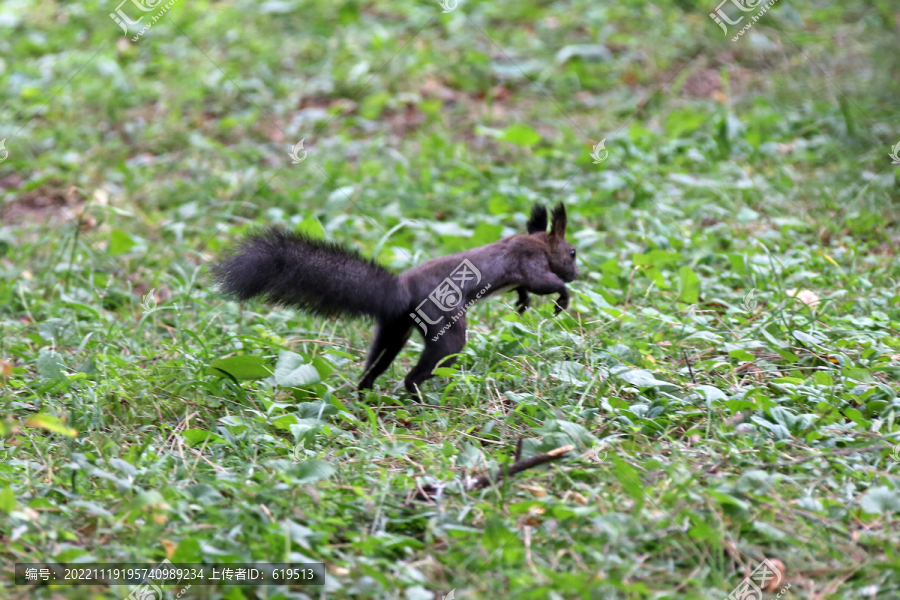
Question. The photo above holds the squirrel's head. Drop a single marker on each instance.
(562, 253)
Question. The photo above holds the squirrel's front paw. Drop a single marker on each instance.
(524, 301)
(562, 303)
(522, 306)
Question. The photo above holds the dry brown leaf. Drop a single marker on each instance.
(577, 497)
(534, 489)
(774, 584)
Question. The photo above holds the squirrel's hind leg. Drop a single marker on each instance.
(524, 300)
(451, 342)
(389, 340)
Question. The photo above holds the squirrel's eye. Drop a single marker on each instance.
(572, 252)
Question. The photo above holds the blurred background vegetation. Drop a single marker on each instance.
(727, 372)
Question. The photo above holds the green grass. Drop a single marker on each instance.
(732, 421)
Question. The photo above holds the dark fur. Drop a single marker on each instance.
(323, 278)
(538, 220)
(329, 279)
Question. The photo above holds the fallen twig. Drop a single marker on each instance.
(475, 483)
(690, 370)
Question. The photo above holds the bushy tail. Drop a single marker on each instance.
(318, 276)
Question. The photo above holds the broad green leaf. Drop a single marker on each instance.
(196, 437)
(204, 493)
(756, 481)
(738, 405)
(639, 377)
(312, 470)
(42, 503)
(808, 338)
(316, 409)
(688, 285)
(577, 433)
(570, 372)
(7, 500)
(486, 233)
(243, 368)
(857, 417)
(708, 336)
(70, 555)
(729, 499)
(703, 531)
(710, 393)
(292, 370)
(738, 263)
(188, 551)
(93, 508)
(285, 422)
(469, 456)
(684, 120)
(768, 530)
(322, 365)
(857, 374)
(124, 466)
(880, 500)
(742, 355)
(311, 227)
(497, 536)
(50, 365)
(630, 480)
(372, 106)
(50, 423)
(396, 448)
(148, 498)
(445, 372)
(787, 355)
(521, 135)
(611, 266)
(823, 378)
(119, 242)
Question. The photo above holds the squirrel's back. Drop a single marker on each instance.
(318, 276)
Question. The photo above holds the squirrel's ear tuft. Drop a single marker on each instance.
(538, 220)
(558, 221)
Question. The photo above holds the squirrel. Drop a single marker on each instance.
(329, 279)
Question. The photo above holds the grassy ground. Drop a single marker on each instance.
(727, 371)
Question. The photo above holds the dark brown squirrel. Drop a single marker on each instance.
(329, 279)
